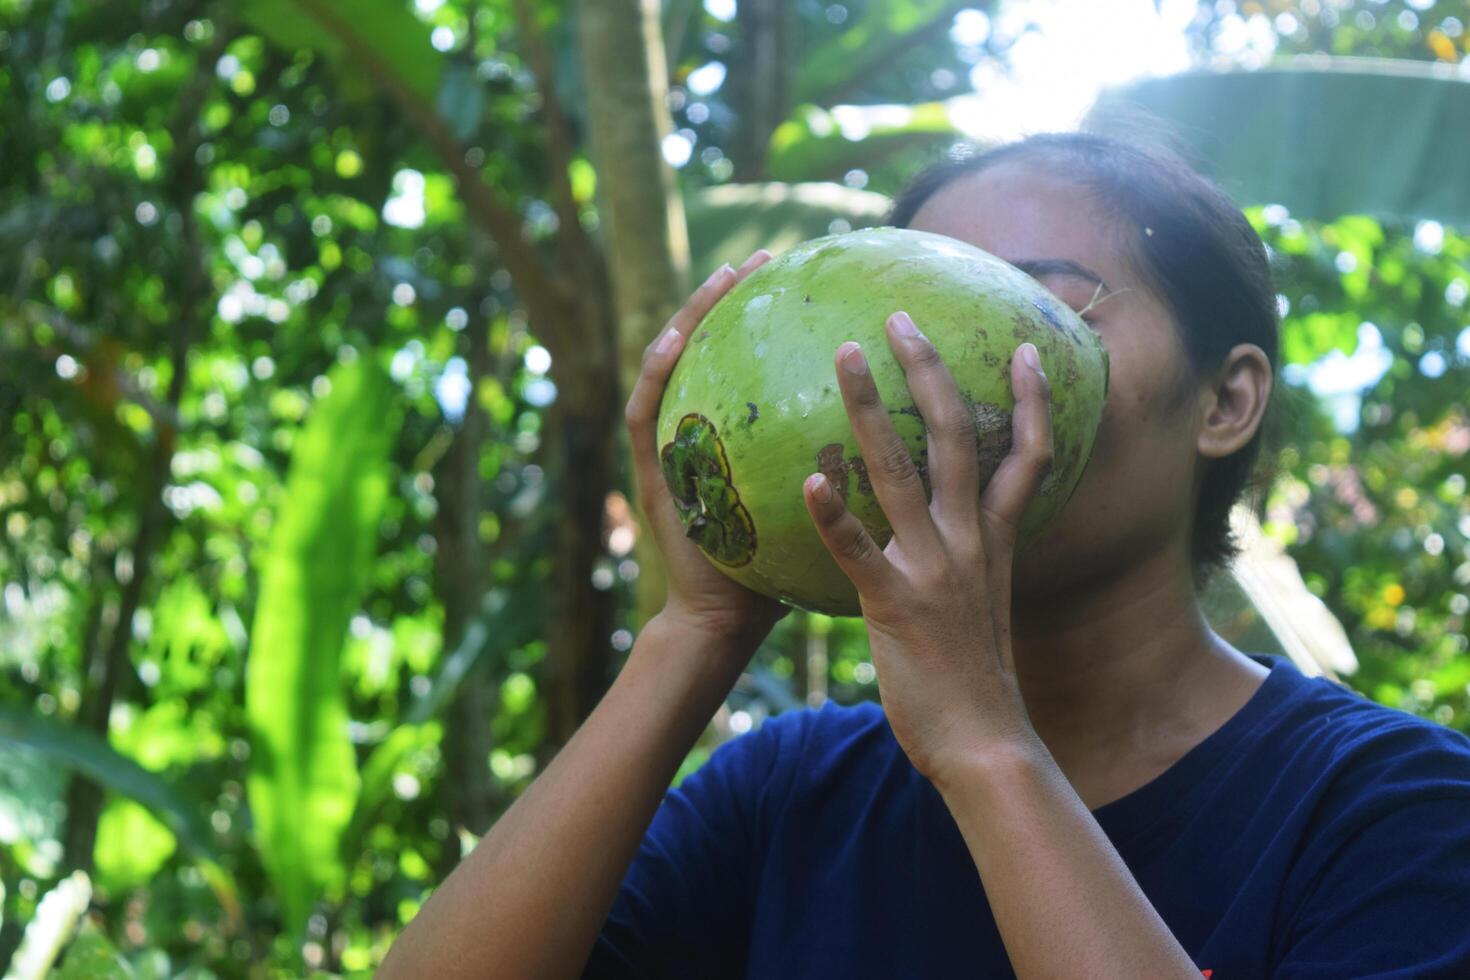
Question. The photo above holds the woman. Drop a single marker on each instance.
(1070, 773)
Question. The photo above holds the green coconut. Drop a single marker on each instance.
(752, 408)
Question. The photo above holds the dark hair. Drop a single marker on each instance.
(1195, 250)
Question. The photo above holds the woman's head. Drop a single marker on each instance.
(1178, 286)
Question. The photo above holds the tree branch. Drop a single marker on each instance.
(674, 36)
(78, 338)
(578, 252)
(883, 55)
(541, 288)
(105, 666)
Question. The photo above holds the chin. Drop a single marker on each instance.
(1087, 548)
(1052, 564)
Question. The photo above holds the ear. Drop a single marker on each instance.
(1231, 410)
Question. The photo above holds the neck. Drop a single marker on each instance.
(1108, 667)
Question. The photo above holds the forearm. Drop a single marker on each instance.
(1063, 900)
(531, 898)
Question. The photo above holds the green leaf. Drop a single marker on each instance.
(31, 784)
(377, 778)
(584, 180)
(870, 43)
(81, 750)
(92, 955)
(461, 99)
(812, 146)
(1322, 136)
(187, 638)
(729, 221)
(370, 43)
(167, 734)
(303, 782)
(131, 845)
(509, 617)
(1306, 338)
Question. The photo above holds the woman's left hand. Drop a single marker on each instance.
(937, 597)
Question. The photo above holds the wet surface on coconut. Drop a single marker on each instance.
(697, 472)
(1049, 313)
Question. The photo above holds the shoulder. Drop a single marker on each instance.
(835, 730)
(756, 777)
(811, 736)
(1383, 864)
(794, 751)
(1365, 779)
(1371, 748)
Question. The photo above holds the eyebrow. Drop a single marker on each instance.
(1036, 268)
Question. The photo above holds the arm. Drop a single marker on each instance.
(1063, 900)
(530, 899)
(936, 601)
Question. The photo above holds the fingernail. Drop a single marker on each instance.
(854, 361)
(753, 255)
(903, 325)
(819, 487)
(667, 341)
(714, 277)
(1032, 359)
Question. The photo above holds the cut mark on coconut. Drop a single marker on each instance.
(992, 437)
(697, 472)
(755, 413)
(838, 470)
(831, 465)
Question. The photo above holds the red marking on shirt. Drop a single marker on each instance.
(1207, 973)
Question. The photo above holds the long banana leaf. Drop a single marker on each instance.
(1323, 137)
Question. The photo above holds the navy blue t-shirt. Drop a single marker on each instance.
(1315, 834)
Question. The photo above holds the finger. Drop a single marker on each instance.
(757, 259)
(1020, 474)
(891, 471)
(714, 288)
(854, 549)
(659, 358)
(949, 424)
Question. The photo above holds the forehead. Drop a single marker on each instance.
(1021, 215)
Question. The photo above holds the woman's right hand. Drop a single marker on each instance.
(700, 595)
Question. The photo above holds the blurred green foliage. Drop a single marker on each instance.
(241, 292)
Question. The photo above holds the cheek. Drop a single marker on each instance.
(1142, 439)
(1131, 502)
(1143, 450)
(1143, 394)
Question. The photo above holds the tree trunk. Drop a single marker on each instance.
(581, 432)
(647, 240)
(761, 83)
(103, 667)
(459, 566)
